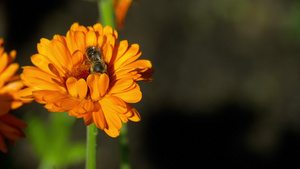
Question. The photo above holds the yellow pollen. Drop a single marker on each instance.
(80, 72)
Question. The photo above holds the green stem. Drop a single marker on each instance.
(123, 141)
(91, 146)
(106, 13)
(107, 18)
(45, 164)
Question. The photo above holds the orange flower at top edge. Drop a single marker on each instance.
(88, 74)
(121, 7)
(10, 85)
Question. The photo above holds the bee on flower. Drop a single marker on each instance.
(95, 57)
(88, 74)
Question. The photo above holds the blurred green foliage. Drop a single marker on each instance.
(293, 21)
(51, 141)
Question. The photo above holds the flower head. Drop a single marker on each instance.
(10, 85)
(121, 7)
(65, 76)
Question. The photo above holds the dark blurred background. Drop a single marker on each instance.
(226, 89)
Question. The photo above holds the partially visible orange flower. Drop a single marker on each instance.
(121, 7)
(62, 78)
(10, 85)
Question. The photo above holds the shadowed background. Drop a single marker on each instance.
(226, 87)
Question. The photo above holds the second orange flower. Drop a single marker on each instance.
(65, 76)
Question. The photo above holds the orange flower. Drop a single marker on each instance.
(121, 7)
(64, 78)
(10, 126)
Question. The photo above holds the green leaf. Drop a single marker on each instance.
(36, 134)
(51, 141)
(76, 153)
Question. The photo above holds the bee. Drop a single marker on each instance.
(95, 58)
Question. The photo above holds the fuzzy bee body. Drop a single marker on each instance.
(95, 58)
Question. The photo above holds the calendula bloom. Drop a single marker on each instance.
(10, 85)
(63, 77)
(121, 7)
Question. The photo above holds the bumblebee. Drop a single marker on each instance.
(95, 58)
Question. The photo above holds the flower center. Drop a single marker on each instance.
(80, 72)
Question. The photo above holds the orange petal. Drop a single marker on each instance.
(91, 39)
(103, 84)
(108, 54)
(60, 50)
(16, 104)
(88, 106)
(138, 70)
(112, 132)
(12, 86)
(122, 85)
(71, 86)
(111, 40)
(74, 26)
(120, 49)
(98, 28)
(53, 70)
(113, 104)
(82, 29)
(80, 41)
(123, 74)
(85, 107)
(41, 61)
(88, 119)
(13, 121)
(146, 75)
(41, 46)
(111, 112)
(133, 95)
(116, 34)
(12, 56)
(32, 76)
(89, 28)
(7, 129)
(9, 72)
(70, 39)
(34, 72)
(46, 48)
(135, 116)
(75, 41)
(81, 109)
(113, 120)
(121, 8)
(130, 55)
(107, 30)
(26, 93)
(101, 41)
(67, 103)
(46, 96)
(3, 61)
(123, 118)
(73, 112)
(53, 108)
(139, 64)
(77, 58)
(60, 38)
(5, 106)
(92, 82)
(81, 88)
(98, 85)
(99, 119)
